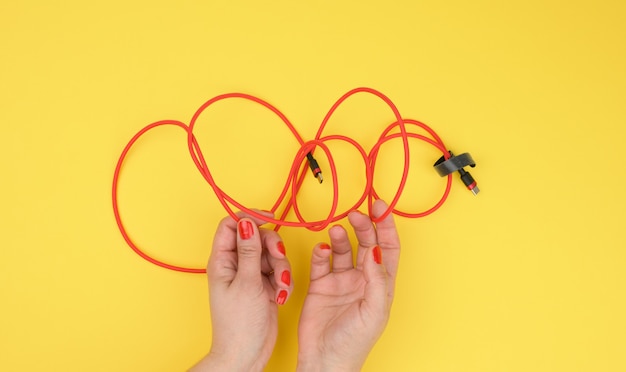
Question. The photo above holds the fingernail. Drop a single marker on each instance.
(282, 297)
(245, 230)
(286, 277)
(324, 246)
(281, 248)
(378, 255)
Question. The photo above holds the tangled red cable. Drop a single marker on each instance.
(298, 169)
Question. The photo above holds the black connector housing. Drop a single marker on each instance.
(456, 164)
(315, 168)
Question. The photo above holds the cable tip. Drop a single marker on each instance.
(469, 181)
(319, 177)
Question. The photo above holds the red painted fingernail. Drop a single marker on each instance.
(324, 246)
(245, 230)
(378, 255)
(282, 297)
(286, 277)
(281, 247)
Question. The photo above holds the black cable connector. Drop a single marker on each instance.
(456, 164)
(315, 168)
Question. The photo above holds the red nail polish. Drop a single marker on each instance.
(281, 247)
(245, 229)
(378, 255)
(324, 246)
(286, 277)
(282, 297)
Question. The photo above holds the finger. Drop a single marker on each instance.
(278, 284)
(365, 234)
(275, 261)
(225, 238)
(376, 301)
(273, 250)
(273, 243)
(341, 249)
(222, 265)
(248, 251)
(320, 261)
(388, 240)
(277, 295)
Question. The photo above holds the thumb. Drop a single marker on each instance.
(376, 281)
(248, 250)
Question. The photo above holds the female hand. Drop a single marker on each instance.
(249, 275)
(347, 307)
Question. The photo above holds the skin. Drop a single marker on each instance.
(243, 305)
(344, 314)
(347, 306)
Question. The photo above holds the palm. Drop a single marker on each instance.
(347, 307)
(332, 310)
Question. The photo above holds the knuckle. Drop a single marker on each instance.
(248, 250)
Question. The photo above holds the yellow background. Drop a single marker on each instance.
(528, 276)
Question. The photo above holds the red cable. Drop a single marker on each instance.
(298, 169)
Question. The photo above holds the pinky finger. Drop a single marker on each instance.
(280, 292)
(282, 296)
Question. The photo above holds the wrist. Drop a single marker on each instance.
(322, 364)
(221, 362)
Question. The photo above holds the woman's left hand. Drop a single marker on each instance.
(249, 275)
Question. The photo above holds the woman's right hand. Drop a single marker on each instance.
(347, 307)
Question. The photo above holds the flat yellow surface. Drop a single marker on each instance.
(528, 276)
